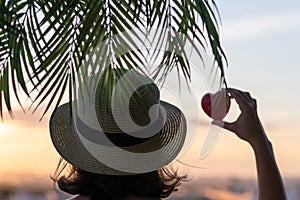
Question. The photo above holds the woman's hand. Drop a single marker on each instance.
(247, 126)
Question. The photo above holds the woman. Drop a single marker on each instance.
(143, 173)
(119, 141)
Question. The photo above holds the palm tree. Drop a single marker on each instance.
(43, 43)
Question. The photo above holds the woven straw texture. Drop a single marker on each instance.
(151, 154)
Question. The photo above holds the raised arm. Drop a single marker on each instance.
(249, 128)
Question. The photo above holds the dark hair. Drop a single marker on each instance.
(156, 184)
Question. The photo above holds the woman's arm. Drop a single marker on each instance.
(249, 128)
(270, 185)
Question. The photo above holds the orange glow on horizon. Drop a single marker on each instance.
(26, 150)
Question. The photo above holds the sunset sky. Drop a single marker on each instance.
(261, 41)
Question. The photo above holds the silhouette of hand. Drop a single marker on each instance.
(247, 126)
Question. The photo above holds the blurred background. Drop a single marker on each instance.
(261, 41)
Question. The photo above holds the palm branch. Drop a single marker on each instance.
(44, 44)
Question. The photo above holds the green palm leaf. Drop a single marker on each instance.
(44, 44)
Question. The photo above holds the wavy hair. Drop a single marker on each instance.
(156, 184)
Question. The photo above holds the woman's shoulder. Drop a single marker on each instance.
(78, 197)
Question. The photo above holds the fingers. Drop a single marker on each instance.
(244, 99)
(248, 109)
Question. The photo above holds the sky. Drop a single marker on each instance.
(261, 42)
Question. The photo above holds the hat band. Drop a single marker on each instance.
(115, 139)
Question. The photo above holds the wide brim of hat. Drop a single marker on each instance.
(109, 160)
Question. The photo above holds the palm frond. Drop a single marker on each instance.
(15, 58)
(45, 44)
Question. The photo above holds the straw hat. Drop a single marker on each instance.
(121, 130)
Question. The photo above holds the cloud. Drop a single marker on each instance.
(259, 26)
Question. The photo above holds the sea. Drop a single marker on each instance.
(206, 189)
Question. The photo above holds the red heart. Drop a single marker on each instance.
(216, 105)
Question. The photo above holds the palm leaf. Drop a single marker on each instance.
(45, 46)
(15, 65)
